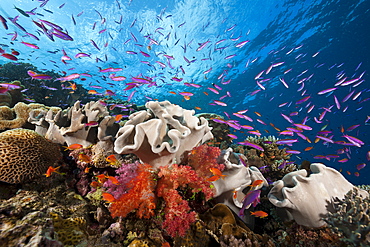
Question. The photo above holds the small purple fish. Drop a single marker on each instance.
(252, 197)
(253, 145)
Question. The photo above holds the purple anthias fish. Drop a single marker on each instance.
(252, 197)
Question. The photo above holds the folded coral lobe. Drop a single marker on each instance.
(162, 133)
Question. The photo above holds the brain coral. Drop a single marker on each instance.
(24, 154)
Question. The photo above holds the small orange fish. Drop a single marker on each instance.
(51, 170)
(111, 159)
(235, 194)
(217, 172)
(84, 158)
(205, 93)
(101, 178)
(108, 197)
(73, 147)
(213, 178)
(308, 148)
(92, 92)
(260, 214)
(257, 113)
(166, 244)
(118, 117)
(186, 97)
(95, 184)
(113, 180)
(198, 108)
(172, 92)
(73, 86)
(256, 183)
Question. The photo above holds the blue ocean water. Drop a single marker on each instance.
(215, 52)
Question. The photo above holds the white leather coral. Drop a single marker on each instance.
(308, 199)
(162, 133)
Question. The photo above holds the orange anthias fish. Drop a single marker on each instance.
(256, 183)
(113, 180)
(260, 214)
(84, 158)
(108, 197)
(101, 178)
(73, 147)
(112, 159)
(51, 170)
(118, 117)
(217, 174)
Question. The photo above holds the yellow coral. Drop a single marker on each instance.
(24, 155)
(70, 231)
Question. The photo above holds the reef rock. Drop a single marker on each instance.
(308, 198)
(162, 133)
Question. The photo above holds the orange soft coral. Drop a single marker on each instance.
(140, 196)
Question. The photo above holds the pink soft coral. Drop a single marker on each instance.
(126, 174)
(140, 196)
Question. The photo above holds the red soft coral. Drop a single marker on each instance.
(140, 196)
(203, 158)
(178, 216)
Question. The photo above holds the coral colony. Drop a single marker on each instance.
(81, 164)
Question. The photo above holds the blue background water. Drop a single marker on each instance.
(278, 31)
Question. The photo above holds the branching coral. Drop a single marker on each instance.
(140, 197)
(351, 219)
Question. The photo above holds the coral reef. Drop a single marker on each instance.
(24, 155)
(351, 219)
(297, 235)
(17, 117)
(273, 160)
(319, 189)
(220, 130)
(162, 133)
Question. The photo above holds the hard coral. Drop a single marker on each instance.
(351, 219)
(24, 155)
